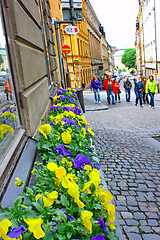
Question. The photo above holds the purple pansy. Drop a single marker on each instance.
(81, 160)
(99, 237)
(16, 232)
(62, 151)
(96, 165)
(70, 217)
(103, 226)
(54, 226)
(90, 149)
(77, 110)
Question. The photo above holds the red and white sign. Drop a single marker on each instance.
(66, 49)
(71, 30)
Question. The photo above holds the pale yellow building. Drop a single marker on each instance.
(79, 63)
(118, 58)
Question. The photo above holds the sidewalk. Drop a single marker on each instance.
(129, 159)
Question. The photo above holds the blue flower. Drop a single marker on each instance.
(16, 232)
(81, 160)
(99, 237)
(70, 217)
(103, 226)
(54, 226)
(62, 151)
(97, 165)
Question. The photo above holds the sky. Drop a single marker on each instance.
(118, 17)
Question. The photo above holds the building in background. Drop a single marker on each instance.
(118, 60)
(148, 38)
(93, 25)
(105, 55)
(3, 54)
(78, 60)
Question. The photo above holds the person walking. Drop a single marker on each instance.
(117, 94)
(127, 85)
(109, 87)
(144, 94)
(138, 90)
(151, 89)
(96, 86)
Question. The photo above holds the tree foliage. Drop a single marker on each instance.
(1, 59)
(129, 58)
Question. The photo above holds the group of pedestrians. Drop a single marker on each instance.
(143, 89)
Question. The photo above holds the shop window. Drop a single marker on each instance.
(9, 118)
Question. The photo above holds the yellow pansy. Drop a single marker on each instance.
(83, 132)
(35, 227)
(79, 202)
(65, 161)
(69, 129)
(49, 199)
(4, 225)
(60, 173)
(111, 217)
(88, 168)
(19, 182)
(86, 216)
(90, 131)
(8, 114)
(95, 177)
(44, 129)
(52, 166)
(87, 187)
(4, 129)
(66, 137)
(73, 190)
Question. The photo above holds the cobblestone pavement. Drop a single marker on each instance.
(130, 161)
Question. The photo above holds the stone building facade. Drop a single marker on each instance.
(93, 25)
(29, 42)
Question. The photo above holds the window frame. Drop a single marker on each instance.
(10, 158)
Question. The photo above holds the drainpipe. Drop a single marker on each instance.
(143, 45)
(155, 39)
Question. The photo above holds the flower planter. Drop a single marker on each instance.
(68, 200)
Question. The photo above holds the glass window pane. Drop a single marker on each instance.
(9, 119)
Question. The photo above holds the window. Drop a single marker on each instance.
(9, 118)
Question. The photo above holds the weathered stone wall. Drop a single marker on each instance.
(25, 27)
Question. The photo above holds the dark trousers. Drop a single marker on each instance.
(139, 97)
(152, 99)
(117, 96)
(145, 97)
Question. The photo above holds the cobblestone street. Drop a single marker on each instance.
(130, 161)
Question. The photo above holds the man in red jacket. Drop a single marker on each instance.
(109, 87)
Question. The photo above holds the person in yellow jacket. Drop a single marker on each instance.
(151, 88)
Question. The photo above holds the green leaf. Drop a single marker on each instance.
(115, 237)
(98, 206)
(61, 228)
(3, 216)
(69, 235)
(29, 213)
(17, 202)
(61, 214)
(38, 207)
(64, 201)
(60, 237)
(42, 180)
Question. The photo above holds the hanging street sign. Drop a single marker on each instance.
(71, 30)
(66, 49)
